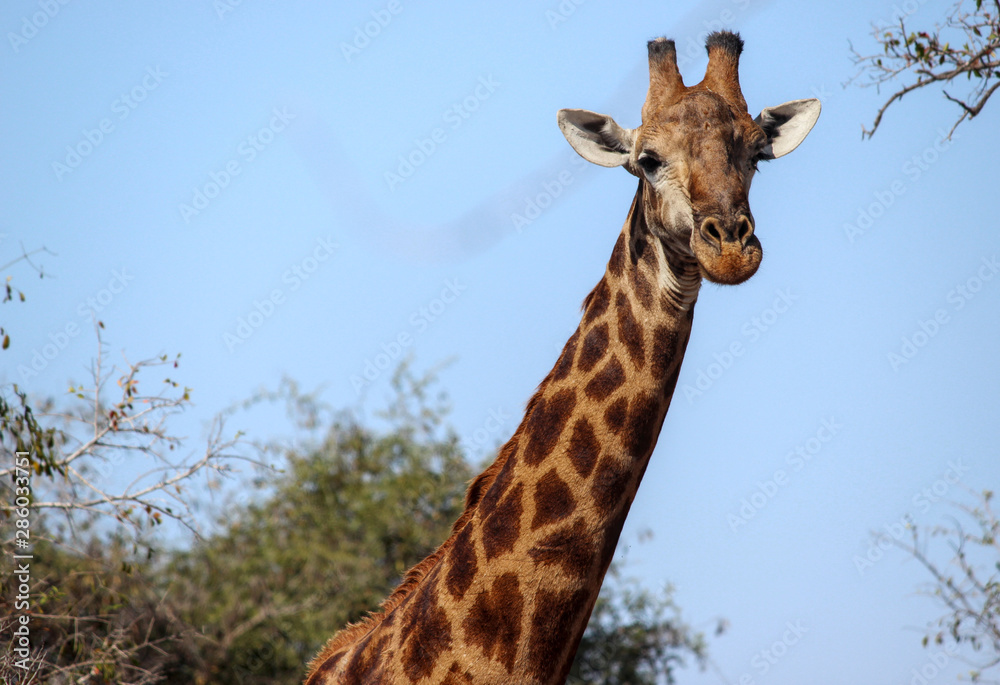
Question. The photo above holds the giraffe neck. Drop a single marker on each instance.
(508, 596)
(579, 455)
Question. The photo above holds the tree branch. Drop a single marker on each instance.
(931, 58)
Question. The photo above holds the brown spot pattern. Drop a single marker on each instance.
(407, 626)
(500, 483)
(502, 527)
(583, 447)
(614, 415)
(494, 622)
(597, 302)
(477, 488)
(569, 548)
(640, 432)
(552, 627)
(638, 244)
(595, 346)
(608, 486)
(325, 668)
(455, 676)
(628, 331)
(612, 533)
(617, 264)
(553, 500)
(640, 285)
(565, 363)
(606, 381)
(664, 351)
(366, 665)
(670, 385)
(430, 635)
(462, 563)
(649, 256)
(546, 423)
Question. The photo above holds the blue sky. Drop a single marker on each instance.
(259, 188)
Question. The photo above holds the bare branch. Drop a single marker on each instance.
(972, 596)
(134, 424)
(26, 257)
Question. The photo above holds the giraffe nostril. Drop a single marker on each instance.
(744, 231)
(713, 230)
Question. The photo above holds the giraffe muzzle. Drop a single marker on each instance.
(727, 249)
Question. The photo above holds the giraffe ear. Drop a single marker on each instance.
(787, 125)
(596, 137)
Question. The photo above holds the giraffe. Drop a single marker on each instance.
(507, 596)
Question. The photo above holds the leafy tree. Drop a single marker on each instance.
(96, 618)
(322, 544)
(966, 44)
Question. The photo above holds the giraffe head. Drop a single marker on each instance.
(695, 154)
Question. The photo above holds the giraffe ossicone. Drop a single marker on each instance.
(507, 596)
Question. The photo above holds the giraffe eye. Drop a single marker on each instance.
(649, 162)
